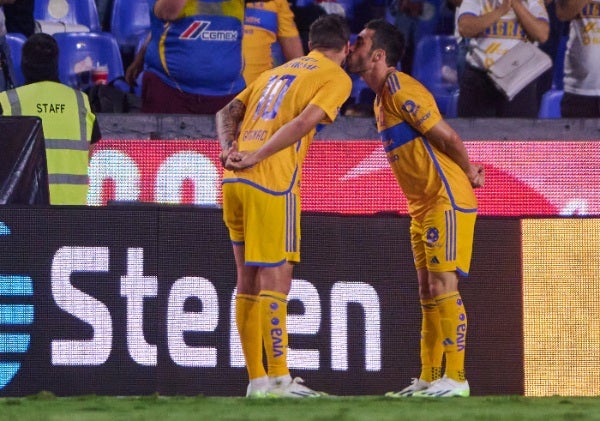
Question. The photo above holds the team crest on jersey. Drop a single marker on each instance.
(199, 29)
(433, 235)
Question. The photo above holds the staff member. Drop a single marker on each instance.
(68, 122)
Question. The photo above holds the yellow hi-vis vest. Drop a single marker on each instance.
(67, 121)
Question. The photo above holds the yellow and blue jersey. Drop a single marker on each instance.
(405, 110)
(277, 97)
(264, 23)
(201, 51)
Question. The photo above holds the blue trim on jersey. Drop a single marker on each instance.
(238, 243)
(265, 19)
(261, 188)
(462, 273)
(444, 179)
(290, 217)
(450, 235)
(392, 83)
(398, 135)
(266, 265)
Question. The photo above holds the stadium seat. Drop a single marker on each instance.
(434, 65)
(85, 50)
(15, 43)
(130, 20)
(75, 12)
(550, 106)
(428, 21)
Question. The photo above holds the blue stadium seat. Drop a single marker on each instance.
(82, 12)
(427, 24)
(550, 106)
(130, 20)
(97, 48)
(15, 43)
(434, 65)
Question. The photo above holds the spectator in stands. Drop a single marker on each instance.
(6, 66)
(19, 17)
(406, 15)
(493, 27)
(582, 59)
(192, 57)
(265, 23)
(67, 120)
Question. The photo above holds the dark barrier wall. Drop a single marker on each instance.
(136, 300)
(23, 169)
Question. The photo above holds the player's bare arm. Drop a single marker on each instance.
(445, 139)
(287, 135)
(227, 122)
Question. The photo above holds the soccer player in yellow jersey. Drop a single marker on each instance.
(265, 133)
(431, 165)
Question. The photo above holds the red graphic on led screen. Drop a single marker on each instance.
(522, 177)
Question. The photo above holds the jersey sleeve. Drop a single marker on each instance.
(538, 9)
(415, 105)
(470, 7)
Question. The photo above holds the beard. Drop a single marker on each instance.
(355, 65)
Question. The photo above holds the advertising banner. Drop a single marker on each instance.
(132, 300)
(523, 178)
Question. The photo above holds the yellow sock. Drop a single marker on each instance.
(273, 308)
(454, 331)
(247, 317)
(432, 350)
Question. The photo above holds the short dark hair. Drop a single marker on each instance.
(388, 38)
(329, 32)
(39, 59)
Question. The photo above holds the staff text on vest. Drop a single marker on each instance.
(51, 108)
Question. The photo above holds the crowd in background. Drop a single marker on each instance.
(479, 31)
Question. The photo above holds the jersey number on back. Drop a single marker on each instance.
(272, 96)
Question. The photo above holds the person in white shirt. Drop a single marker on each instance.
(582, 59)
(494, 27)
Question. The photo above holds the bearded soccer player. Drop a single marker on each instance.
(276, 118)
(431, 165)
